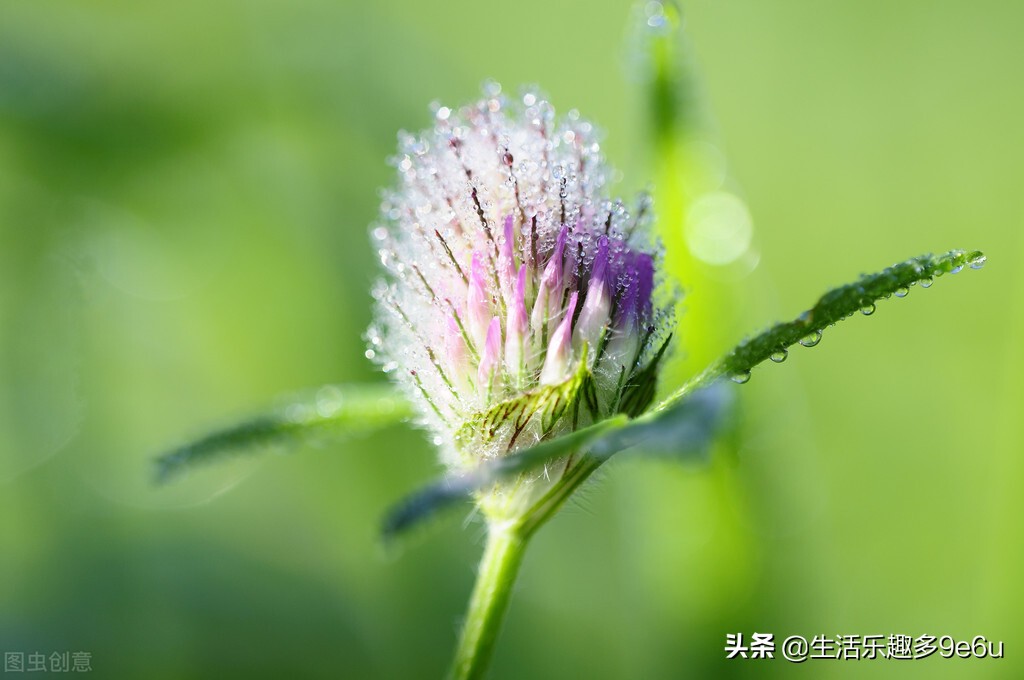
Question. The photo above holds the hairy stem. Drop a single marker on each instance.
(506, 543)
(547, 506)
(498, 568)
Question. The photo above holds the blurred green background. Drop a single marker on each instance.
(185, 190)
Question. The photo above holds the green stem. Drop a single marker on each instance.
(487, 606)
(547, 506)
(506, 543)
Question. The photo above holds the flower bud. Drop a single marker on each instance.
(514, 291)
(598, 303)
(491, 356)
(556, 363)
(517, 326)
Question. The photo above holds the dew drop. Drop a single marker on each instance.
(957, 269)
(779, 355)
(902, 292)
(741, 377)
(868, 309)
(329, 400)
(655, 15)
(369, 354)
(811, 340)
(978, 261)
(297, 413)
(927, 282)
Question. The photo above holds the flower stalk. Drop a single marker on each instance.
(499, 566)
(503, 554)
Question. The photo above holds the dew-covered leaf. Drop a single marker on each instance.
(685, 430)
(858, 298)
(332, 412)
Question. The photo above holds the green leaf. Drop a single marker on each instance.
(331, 412)
(834, 306)
(686, 429)
(683, 430)
(453, 488)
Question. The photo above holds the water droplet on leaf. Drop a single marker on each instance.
(902, 292)
(978, 261)
(868, 309)
(741, 377)
(811, 340)
(927, 282)
(779, 355)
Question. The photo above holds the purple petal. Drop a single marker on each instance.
(553, 271)
(507, 259)
(560, 348)
(492, 352)
(478, 307)
(638, 282)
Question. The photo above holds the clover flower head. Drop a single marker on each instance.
(517, 301)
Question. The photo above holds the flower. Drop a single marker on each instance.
(517, 300)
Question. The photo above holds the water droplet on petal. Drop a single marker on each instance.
(741, 377)
(811, 340)
(779, 355)
(978, 261)
(902, 292)
(868, 309)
